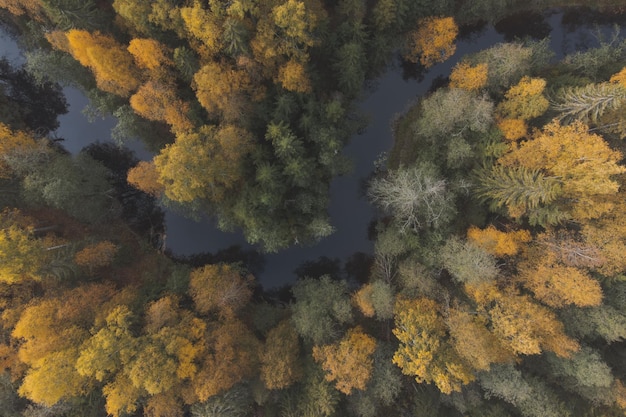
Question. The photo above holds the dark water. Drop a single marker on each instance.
(351, 213)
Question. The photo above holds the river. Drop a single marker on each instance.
(350, 212)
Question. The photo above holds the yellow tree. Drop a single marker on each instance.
(232, 358)
(158, 101)
(145, 177)
(349, 361)
(519, 323)
(202, 25)
(21, 255)
(423, 351)
(204, 164)
(581, 162)
(280, 362)
(433, 41)
(97, 255)
(13, 144)
(559, 285)
(524, 100)
(469, 77)
(112, 65)
(221, 89)
(51, 332)
(496, 242)
(474, 342)
(149, 53)
(293, 77)
(220, 288)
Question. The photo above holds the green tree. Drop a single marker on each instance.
(322, 306)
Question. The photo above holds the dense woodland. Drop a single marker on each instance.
(497, 286)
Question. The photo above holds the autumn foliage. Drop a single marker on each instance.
(433, 41)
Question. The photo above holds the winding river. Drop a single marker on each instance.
(350, 211)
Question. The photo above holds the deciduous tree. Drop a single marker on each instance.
(468, 77)
(433, 41)
(348, 362)
(280, 362)
(220, 288)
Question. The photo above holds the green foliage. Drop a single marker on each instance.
(235, 402)
(322, 306)
(78, 185)
(467, 262)
(453, 112)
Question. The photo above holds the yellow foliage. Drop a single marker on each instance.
(122, 397)
(220, 288)
(233, 358)
(33, 8)
(21, 256)
(582, 161)
(205, 164)
(220, 89)
(112, 65)
(349, 361)
(513, 129)
(620, 77)
(524, 100)
(149, 53)
(280, 366)
(469, 77)
(496, 242)
(14, 143)
(474, 342)
(363, 300)
(293, 77)
(158, 101)
(163, 405)
(433, 41)
(423, 351)
(58, 40)
(202, 24)
(96, 255)
(144, 176)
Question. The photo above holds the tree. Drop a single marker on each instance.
(588, 103)
(202, 25)
(474, 342)
(375, 299)
(112, 65)
(423, 352)
(558, 285)
(433, 41)
(280, 362)
(468, 262)
(223, 90)
(158, 101)
(524, 100)
(21, 254)
(14, 144)
(321, 307)
(145, 177)
(149, 53)
(416, 197)
(348, 361)
(496, 242)
(27, 103)
(468, 77)
(453, 112)
(232, 358)
(203, 164)
(97, 255)
(580, 162)
(220, 288)
(293, 77)
(78, 185)
(235, 402)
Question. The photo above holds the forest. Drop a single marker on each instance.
(497, 286)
